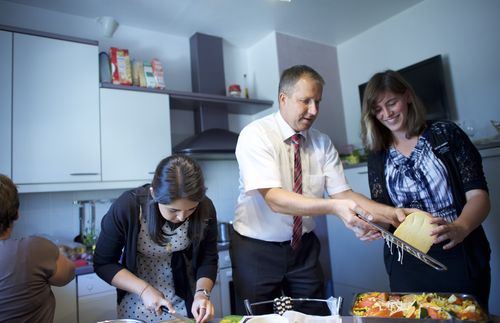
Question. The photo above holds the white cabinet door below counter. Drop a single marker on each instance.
(357, 266)
(66, 310)
(135, 133)
(96, 299)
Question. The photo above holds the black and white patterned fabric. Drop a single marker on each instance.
(282, 304)
(154, 266)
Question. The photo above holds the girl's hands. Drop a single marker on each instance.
(454, 232)
(202, 309)
(153, 300)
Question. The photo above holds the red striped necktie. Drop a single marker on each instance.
(297, 188)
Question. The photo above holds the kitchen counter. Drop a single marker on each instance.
(89, 268)
(83, 270)
(486, 147)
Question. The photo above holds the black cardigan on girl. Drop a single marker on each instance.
(117, 245)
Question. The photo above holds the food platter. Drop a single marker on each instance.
(446, 307)
(402, 246)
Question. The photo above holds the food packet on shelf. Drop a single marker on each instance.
(138, 77)
(158, 73)
(121, 69)
(149, 75)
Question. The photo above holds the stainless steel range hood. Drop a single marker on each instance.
(212, 139)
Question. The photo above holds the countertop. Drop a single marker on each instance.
(484, 145)
(89, 268)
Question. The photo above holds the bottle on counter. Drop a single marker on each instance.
(245, 87)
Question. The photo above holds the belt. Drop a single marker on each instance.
(276, 243)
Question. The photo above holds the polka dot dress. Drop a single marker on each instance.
(154, 266)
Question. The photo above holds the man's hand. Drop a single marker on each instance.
(347, 209)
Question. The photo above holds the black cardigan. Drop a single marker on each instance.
(120, 229)
(465, 172)
(452, 146)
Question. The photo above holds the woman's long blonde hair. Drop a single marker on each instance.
(376, 136)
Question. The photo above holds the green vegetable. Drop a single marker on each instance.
(231, 318)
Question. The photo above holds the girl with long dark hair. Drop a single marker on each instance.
(158, 245)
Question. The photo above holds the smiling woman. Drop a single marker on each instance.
(432, 166)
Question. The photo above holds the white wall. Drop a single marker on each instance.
(465, 32)
(323, 58)
(55, 215)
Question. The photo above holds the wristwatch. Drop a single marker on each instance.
(205, 292)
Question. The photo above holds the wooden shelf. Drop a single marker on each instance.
(190, 100)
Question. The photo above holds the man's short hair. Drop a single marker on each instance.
(292, 75)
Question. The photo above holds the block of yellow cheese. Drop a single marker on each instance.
(416, 231)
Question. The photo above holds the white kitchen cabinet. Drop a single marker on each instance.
(5, 102)
(135, 133)
(55, 111)
(491, 165)
(96, 299)
(66, 311)
(357, 266)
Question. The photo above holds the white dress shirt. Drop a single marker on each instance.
(265, 159)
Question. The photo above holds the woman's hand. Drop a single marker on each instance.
(202, 309)
(454, 232)
(153, 300)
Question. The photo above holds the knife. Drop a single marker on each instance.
(176, 315)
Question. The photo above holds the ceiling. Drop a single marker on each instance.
(240, 22)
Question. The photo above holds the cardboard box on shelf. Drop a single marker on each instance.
(121, 69)
(158, 73)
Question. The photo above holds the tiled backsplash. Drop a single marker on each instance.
(54, 214)
(222, 182)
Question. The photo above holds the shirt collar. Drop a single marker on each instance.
(286, 131)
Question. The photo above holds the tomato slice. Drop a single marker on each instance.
(367, 302)
(397, 314)
(433, 313)
(380, 312)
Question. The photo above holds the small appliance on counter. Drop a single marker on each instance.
(224, 236)
(88, 234)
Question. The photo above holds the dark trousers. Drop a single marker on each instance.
(265, 270)
(468, 271)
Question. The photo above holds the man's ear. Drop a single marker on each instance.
(282, 97)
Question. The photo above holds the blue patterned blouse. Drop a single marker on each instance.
(419, 181)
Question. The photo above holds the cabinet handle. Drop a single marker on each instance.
(151, 173)
(363, 172)
(83, 174)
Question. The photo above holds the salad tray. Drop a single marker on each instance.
(404, 307)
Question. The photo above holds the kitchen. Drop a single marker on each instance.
(468, 40)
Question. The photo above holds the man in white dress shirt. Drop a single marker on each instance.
(265, 264)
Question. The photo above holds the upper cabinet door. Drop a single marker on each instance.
(135, 133)
(5, 102)
(55, 111)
